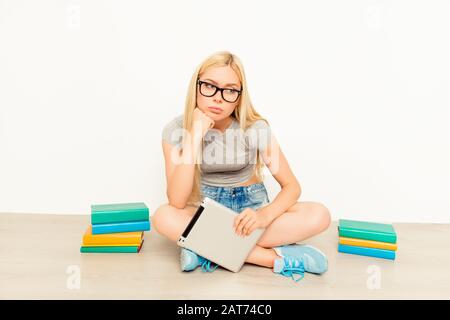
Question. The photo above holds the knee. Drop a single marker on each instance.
(160, 218)
(322, 217)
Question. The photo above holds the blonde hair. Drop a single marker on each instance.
(244, 112)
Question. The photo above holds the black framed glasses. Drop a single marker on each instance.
(208, 90)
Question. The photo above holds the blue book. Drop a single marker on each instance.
(121, 227)
(370, 252)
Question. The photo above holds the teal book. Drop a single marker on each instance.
(121, 227)
(119, 212)
(111, 249)
(369, 252)
(367, 230)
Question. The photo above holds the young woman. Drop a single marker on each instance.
(218, 148)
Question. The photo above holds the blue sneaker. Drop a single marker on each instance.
(298, 258)
(189, 261)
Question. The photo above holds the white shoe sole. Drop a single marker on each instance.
(278, 250)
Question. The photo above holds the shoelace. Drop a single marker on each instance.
(293, 266)
(206, 266)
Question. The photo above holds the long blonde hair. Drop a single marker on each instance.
(244, 112)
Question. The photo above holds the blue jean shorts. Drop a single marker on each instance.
(238, 198)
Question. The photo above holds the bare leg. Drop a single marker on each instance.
(170, 221)
(303, 220)
(262, 256)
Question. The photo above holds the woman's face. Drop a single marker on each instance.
(216, 107)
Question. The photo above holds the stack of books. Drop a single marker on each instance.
(116, 228)
(367, 239)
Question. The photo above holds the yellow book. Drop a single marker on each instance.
(116, 239)
(368, 243)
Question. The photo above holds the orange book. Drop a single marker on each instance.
(109, 239)
(367, 243)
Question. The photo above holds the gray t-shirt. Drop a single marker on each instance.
(228, 158)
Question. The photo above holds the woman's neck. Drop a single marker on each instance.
(224, 124)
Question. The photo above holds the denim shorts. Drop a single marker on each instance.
(238, 198)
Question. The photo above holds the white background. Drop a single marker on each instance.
(357, 93)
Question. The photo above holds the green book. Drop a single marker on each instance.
(119, 212)
(367, 230)
(111, 249)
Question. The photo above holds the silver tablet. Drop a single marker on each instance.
(211, 235)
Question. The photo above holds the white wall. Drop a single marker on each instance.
(357, 93)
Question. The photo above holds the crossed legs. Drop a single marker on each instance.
(301, 221)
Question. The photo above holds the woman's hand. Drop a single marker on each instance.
(249, 220)
(201, 121)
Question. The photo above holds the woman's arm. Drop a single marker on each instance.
(249, 219)
(180, 169)
(290, 191)
(180, 163)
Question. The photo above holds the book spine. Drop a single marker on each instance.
(121, 227)
(367, 243)
(367, 235)
(111, 241)
(99, 217)
(370, 252)
(136, 244)
(128, 249)
(115, 238)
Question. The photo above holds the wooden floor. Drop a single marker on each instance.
(39, 258)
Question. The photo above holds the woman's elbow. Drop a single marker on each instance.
(177, 205)
(176, 202)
